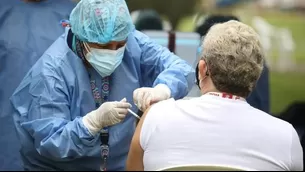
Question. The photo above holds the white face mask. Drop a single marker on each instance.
(104, 61)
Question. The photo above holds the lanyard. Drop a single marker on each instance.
(226, 95)
(99, 100)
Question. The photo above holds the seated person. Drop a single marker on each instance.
(259, 97)
(219, 128)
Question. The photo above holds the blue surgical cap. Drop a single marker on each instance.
(101, 21)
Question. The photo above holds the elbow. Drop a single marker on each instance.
(184, 83)
(184, 86)
(56, 150)
(187, 74)
(191, 75)
(190, 79)
(63, 142)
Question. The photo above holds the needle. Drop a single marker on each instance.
(134, 114)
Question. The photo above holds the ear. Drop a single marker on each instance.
(202, 67)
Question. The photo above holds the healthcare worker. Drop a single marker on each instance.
(71, 109)
(27, 29)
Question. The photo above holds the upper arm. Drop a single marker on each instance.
(296, 152)
(160, 66)
(146, 133)
(136, 152)
(42, 108)
(41, 96)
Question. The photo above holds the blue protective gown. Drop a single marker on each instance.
(55, 95)
(26, 31)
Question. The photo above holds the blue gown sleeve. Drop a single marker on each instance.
(41, 105)
(160, 66)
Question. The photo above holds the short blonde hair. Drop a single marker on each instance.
(234, 57)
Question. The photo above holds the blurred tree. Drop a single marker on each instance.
(174, 10)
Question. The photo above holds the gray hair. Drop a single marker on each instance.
(234, 57)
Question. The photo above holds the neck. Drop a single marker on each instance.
(208, 86)
(204, 91)
(210, 89)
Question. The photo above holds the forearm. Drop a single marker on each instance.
(160, 66)
(179, 79)
(61, 140)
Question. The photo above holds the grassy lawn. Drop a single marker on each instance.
(285, 88)
(295, 23)
(288, 87)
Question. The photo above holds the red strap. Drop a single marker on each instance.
(226, 95)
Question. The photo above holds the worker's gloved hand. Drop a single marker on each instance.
(146, 96)
(108, 114)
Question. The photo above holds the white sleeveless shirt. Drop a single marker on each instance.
(213, 130)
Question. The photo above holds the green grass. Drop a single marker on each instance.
(293, 21)
(285, 88)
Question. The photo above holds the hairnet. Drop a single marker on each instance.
(101, 21)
